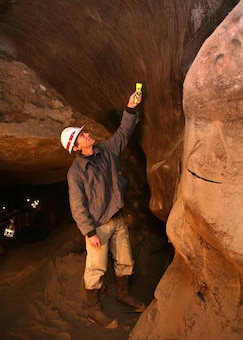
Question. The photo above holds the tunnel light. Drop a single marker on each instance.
(3, 209)
(10, 230)
(35, 204)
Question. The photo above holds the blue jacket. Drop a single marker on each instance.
(96, 185)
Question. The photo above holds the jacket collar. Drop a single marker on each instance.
(83, 161)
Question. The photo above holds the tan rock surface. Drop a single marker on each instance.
(200, 296)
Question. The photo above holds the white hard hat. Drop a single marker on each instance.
(69, 135)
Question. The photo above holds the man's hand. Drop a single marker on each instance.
(131, 101)
(94, 241)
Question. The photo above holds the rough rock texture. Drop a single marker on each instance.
(201, 294)
(32, 114)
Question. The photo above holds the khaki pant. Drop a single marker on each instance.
(114, 236)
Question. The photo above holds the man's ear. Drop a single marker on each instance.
(75, 148)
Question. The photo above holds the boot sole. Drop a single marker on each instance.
(111, 325)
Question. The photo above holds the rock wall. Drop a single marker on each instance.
(32, 115)
(201, 296)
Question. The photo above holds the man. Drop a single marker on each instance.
(96, 189)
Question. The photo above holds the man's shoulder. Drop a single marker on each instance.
(75, 166)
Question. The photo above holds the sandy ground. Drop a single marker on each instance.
(42, 294)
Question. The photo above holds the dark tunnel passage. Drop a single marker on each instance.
(32, 212)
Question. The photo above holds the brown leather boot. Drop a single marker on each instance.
(124, 297)
(95, 313)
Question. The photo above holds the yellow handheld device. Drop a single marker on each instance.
(138, 90)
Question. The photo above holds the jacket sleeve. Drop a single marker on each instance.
(79, 205)
(121, 137)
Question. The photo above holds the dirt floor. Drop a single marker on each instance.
(42, 294)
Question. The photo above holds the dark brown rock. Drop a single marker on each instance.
(32, 116)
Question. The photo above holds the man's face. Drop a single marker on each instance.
(84, 141)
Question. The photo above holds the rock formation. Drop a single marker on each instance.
(200, 296)
(32, 115)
